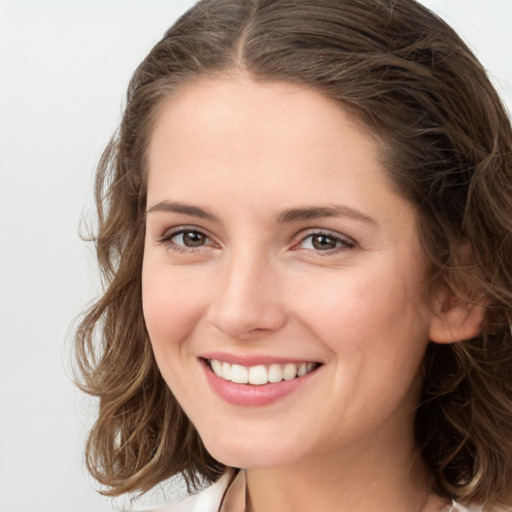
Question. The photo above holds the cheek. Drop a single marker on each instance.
(350, 296)
(365, 312)
(171, 308)
(372, 327)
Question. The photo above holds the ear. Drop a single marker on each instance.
(455, 319)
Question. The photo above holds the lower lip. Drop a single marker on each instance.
(249, 395)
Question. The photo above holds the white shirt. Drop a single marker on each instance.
(228, 495)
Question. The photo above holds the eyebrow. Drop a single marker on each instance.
(185, 209)
(318, 212)
(284, 217)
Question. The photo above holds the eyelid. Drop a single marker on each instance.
(169, 234)
(346, 241)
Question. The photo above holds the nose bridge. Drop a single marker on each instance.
(248, 300)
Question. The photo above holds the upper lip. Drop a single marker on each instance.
(254, 359)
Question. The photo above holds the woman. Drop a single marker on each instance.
(304, 226)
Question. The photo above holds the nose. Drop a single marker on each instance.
(248, 302)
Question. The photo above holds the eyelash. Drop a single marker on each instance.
(342, 243)
(167, 239)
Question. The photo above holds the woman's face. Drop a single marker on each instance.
(277, 251)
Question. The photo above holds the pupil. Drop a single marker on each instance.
(323, 242)
(193, 239)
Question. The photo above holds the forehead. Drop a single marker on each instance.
(265, 146)
(225, 122)
(232, 98)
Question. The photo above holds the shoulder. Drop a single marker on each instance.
(456, 507)
(208, 500)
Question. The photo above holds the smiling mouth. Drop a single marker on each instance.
(260, 375)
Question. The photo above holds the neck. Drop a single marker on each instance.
(374, 477)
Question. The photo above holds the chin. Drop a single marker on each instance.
(246, 453)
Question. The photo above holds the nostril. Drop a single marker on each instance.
(250, 321)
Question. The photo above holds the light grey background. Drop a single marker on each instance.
(64, 68)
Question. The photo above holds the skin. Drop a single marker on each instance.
(244, 153)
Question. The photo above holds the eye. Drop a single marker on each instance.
(325, 242)
(190, 239)
(184, 239)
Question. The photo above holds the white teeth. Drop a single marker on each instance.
(275, 373)
(226, 371)
(216, 366)
(239, 374)
(289, 371)
(260, 374)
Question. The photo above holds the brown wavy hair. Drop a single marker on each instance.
(446, 142)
